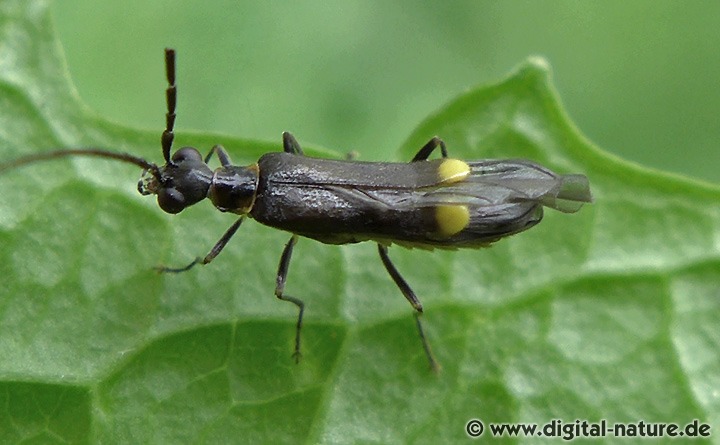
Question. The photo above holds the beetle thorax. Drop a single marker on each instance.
(233, 188)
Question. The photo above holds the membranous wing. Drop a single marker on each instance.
(438, 203)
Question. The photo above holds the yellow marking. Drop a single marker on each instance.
(451, 219)
(453, 170)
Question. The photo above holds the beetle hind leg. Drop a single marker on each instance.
(414, 301)
(428, 148)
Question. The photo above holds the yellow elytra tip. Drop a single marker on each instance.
(453, 170)
(451, 219)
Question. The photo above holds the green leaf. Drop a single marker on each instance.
(610, 313)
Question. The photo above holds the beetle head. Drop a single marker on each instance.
(180, 183)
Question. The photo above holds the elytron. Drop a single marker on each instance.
(440, 203)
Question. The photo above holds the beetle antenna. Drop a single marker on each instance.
(92, 152)
(171, 96)
(152, 168)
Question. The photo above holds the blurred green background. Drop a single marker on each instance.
(640, 78)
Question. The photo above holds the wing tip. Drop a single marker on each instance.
(572, 192)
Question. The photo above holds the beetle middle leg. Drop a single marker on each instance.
(291, 145)
(280, 288)
(215, 251)
(413, 299)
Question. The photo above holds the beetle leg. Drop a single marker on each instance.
(428, 148)
(291, 145)
(398, 279)
(221, 154)
(280, 287)
(215, 251)
(412, 298)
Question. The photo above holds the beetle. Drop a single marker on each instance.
(428, 203)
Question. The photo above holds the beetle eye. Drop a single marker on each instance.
(187, 154)
(171, 200)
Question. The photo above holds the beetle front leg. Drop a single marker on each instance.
(280, 288)
(215, 251)
(428, 148)
(412, 298)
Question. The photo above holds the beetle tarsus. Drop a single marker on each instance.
(434, 365)
(165, 269)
